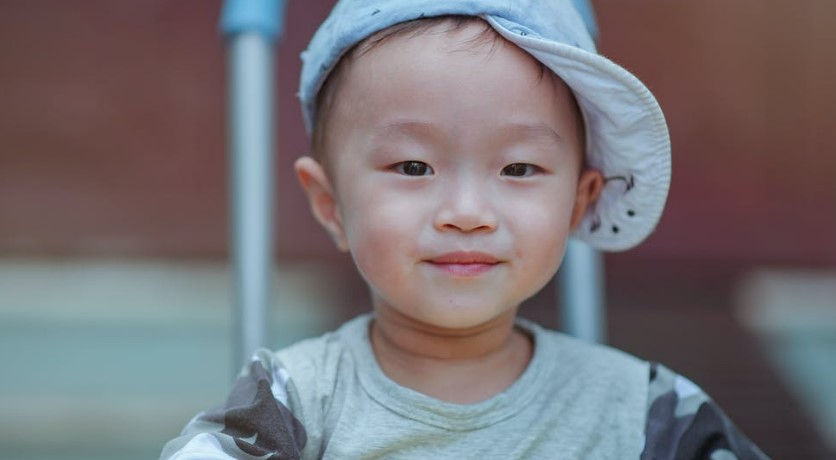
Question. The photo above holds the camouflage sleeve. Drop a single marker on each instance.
(255, 421)
(684, 423)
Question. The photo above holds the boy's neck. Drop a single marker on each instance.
(460, 365)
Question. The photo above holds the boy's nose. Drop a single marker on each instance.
(466, 209)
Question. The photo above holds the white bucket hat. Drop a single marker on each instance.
(627, 137)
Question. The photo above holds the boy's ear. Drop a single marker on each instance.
(589, 188)
(321, 198)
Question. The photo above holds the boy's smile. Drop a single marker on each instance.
(453, 175)
(463, 263)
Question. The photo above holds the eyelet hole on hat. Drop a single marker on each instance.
(615, 229)
(631, 213)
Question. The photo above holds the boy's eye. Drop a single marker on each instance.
(414, 168)
(520, 170)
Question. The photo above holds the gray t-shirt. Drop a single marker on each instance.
(327, 398)
(573, 398)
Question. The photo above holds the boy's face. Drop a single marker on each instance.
(454, 172)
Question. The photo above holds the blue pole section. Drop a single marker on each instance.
(581, 285)
(581, 278)
(251, 28)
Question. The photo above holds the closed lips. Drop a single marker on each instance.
(464, 258)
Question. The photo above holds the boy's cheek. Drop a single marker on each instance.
(372, 227)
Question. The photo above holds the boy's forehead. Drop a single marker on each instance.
(436, 35)
(437, 49)
(430, 43)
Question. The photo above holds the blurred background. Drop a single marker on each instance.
(115, 295)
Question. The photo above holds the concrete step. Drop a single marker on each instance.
(110, 358)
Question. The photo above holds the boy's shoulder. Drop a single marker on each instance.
(582, 357)
(323, 352)
(318, 369)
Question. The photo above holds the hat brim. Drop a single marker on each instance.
(627, 139)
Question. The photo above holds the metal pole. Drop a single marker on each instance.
(581, 277)
(581, 285)
(251, 27)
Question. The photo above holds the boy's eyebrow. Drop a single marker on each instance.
(404, 126)
(535, 130)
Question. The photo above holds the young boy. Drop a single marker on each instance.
(456, 145)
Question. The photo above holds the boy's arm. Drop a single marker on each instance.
(684, 423)
(255, 421)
